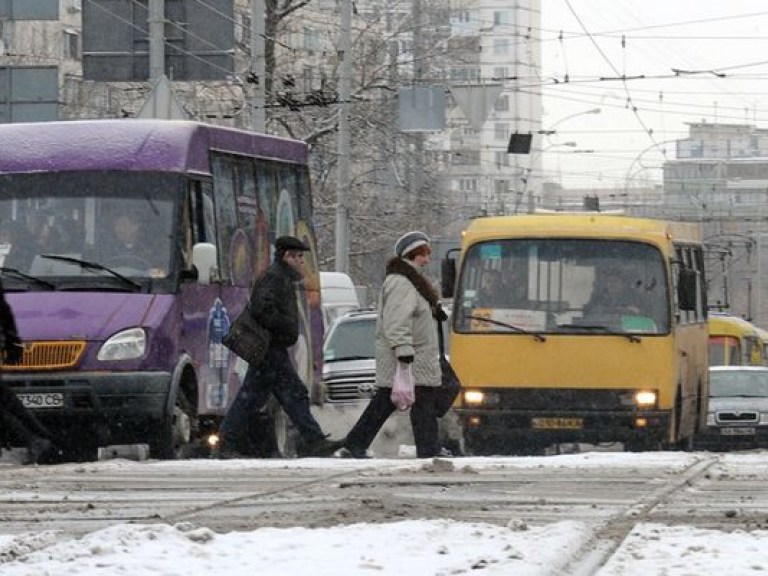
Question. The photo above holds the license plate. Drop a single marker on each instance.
(557, 423)
(744, 431)
(41, 399)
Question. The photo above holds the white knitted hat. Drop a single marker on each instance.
(410, 241)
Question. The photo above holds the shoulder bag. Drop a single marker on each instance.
(247, 338)
(450, 387)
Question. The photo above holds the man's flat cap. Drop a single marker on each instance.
(286, 243)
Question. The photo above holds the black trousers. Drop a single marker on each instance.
(17, 419)
(423, 421)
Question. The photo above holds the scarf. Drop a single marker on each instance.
(423, 287)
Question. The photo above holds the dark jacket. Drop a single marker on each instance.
(9, 337)
(273, 303)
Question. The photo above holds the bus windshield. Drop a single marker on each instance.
(562, 285)
(53, 223)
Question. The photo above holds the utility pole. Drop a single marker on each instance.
(342, 183)
(258, 67)
(417, 177)
(156, 24)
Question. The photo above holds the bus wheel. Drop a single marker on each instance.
(176, 431)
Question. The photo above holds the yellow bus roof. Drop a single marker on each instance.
(762, 334)
(727, 325)
(580, 224)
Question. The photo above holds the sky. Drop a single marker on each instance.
(684, 61)
(426, 548)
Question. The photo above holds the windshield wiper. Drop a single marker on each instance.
(35, 279)
(88, 265)
(536, 335)
(602, 329)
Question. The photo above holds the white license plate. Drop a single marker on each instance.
(746, 431)
(41, 399)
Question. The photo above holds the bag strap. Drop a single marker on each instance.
(440, 341)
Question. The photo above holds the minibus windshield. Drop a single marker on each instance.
(562, 285)
(120, 223)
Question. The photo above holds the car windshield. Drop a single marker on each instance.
(738, 383)
(351, 339)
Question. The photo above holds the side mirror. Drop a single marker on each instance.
(448, 273)
(686, 289)
(204, 260)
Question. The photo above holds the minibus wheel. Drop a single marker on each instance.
(176, 432)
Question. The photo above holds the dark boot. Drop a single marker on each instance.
(320, 448)
(36, 449)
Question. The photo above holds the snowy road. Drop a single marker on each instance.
(609, 493)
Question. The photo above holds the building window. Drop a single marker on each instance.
(311, 40)
(501, 131)
(501, 104)
(501, 46)
(500, 18)
(71, 44)
(502, 159)
(500, 73)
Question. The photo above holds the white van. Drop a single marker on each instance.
(338, 296)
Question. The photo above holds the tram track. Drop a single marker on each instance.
(607, 539)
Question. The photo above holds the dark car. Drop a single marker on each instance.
(737, 416)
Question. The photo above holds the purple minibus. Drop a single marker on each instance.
(127, 247)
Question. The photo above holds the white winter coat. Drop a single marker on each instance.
(405, 326)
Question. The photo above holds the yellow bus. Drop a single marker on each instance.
(734, 341)
(763, 335)
(580, 327)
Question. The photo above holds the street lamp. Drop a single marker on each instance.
(531, 189)
(551, 128)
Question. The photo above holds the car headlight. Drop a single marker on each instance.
(763, 418)
(645, 399)
(124, 345)
(711, 419)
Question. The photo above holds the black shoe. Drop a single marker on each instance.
(345, 452)
(38, 447)
(319, 448)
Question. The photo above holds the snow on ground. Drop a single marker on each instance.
(436, 547)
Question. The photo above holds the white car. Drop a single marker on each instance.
(737, 415)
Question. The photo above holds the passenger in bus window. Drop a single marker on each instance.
(491, 291)
(129, 247)
(17, 244)
(612, 296)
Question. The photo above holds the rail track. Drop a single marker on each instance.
(610, 498)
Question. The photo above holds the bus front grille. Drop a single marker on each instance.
(48, 356)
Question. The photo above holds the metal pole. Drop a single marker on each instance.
(258, 67)
(156, 22)
(342, 184)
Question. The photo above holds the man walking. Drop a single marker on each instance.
(273, 303)
(13, 415)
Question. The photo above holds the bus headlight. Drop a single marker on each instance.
(124, 345)
(645, 399)
(480, 398)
